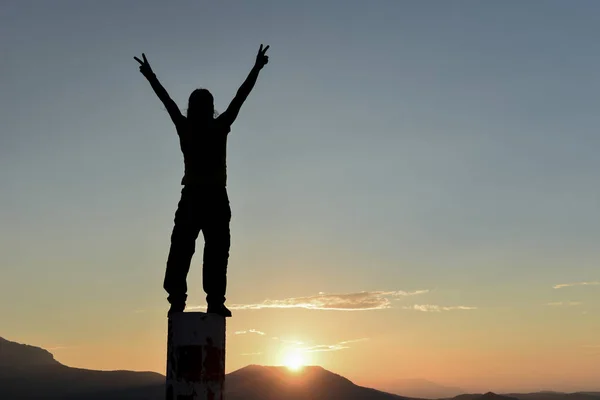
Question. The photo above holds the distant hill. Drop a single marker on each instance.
(546, 395)
(256, 382)
(486, 396)
(422, 388)
(557, 396)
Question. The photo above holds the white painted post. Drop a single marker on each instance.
(195, 356)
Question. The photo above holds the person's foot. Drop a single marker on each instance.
(175, 308)
(219, 310)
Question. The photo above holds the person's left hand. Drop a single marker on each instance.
(261, 58)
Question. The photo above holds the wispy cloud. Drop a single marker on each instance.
(302, 347)
(249, 331)
(564, 303)
(296, 342)
(564, 285)
(358, 301)
(331, 347)
(436, 308)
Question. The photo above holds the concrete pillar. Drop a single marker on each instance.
(195, 356)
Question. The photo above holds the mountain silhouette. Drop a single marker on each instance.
(485, 396)
(14, 354)
(29, 372)
(256, 382)
(494, 396)
(421, 388)
(557, 396)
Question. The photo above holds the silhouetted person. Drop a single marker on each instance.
(204, 204)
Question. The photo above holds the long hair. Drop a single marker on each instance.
(201, 105)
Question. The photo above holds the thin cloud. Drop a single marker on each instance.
(565, 303)
(564, 285)
(249, 331)
(436, 308)
(331, 347)
(358, 301)
(296, 342)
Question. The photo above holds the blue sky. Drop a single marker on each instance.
(388, 145)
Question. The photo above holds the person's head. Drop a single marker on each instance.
(201, 105)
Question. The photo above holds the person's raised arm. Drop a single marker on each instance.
(160, 91)
(229, 115)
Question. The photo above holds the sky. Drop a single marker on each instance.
(413, 184)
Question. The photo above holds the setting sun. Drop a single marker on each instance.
(294, 361)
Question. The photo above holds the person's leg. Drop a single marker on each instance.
(183, 244)
(217, 240)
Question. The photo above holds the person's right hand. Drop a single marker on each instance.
(144, 66)
(261, 58)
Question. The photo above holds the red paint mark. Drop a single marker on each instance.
(213, 365)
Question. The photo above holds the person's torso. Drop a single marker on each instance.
(204, 149)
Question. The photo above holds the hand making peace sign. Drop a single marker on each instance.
(144, 65)
(261, 58)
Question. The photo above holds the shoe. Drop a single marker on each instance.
(175, 308)
(219, 310)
